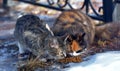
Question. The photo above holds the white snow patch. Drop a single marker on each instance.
(109, 61)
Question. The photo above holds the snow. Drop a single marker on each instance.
(109, 61)
(8, 59)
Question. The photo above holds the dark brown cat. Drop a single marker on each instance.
(76, 28)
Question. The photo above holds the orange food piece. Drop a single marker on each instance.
(74, 59)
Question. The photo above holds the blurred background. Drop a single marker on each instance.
(10, 10)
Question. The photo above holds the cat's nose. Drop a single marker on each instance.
(54, 45)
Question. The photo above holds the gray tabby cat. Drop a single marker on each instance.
(34, 35)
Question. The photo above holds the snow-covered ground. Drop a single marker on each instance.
(109, 61)
(8, 57)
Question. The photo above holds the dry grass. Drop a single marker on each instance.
(98, 47)
(75, 59)
(33, 64)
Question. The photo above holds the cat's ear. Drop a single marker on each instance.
(68, 38)
(83, 34)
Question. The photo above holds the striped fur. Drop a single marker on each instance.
(34, 35)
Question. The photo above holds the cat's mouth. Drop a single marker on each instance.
(76, 53)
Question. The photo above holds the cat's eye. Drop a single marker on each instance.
(69, 39)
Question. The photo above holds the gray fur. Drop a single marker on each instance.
(32, 34)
